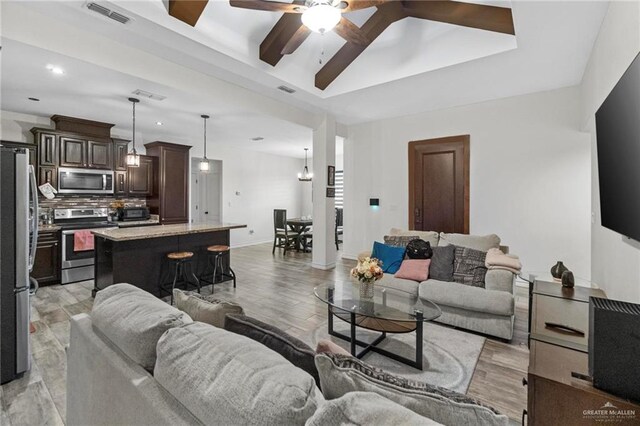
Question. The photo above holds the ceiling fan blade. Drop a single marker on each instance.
(187, 11)
(350, 6)
(287, 27)
(296, 40)
(269, 6)
(490, 18)
(351, 32)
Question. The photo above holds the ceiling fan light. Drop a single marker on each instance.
(321, 18)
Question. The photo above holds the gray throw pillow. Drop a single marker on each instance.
(223, 378)
(399, 240)
(341, 374)
(134, 320)
(294, 350)
(365, 408)
(469, 267)
(207, 309)
(441, 267)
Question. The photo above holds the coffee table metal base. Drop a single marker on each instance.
(372, 347)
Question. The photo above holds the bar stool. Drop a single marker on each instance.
(215, 259)
(179, 259)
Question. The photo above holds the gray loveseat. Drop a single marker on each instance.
(488, 310)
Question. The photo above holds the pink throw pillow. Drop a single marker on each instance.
(414, 269)
(327, 346)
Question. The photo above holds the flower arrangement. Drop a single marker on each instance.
(368, 270)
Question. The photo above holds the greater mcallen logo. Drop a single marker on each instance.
(609, 413)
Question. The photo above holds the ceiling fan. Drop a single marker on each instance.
(301, 17)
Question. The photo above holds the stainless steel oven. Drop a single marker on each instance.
(77, 263)
(84, 181)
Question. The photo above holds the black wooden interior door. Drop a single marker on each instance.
(439, 184)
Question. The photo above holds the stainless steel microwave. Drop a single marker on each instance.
(84, 181)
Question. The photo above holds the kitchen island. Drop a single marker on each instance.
(138, 255)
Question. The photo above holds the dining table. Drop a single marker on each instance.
(299, 226)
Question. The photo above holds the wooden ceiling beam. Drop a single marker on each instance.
(285, 36)
(188, 11)
(387, 14)
(480, 16)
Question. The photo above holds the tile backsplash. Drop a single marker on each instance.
(78, 201)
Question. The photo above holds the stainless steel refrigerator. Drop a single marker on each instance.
(18, 239)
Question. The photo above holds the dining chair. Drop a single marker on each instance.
(339, 225)
(281, 237)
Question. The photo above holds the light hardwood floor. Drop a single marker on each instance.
(272, 288)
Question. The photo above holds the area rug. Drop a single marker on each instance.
(449, 356)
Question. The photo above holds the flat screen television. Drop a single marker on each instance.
(618, 142)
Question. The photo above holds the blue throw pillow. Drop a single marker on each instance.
(391, 257)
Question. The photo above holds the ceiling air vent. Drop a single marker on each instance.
(108, 13)
(145, 94)
(257, 139)
(286, 89)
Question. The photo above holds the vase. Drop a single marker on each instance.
(557, 271)
(568, 279)
(366, 289)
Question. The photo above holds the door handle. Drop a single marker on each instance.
(417, 215)
(564, 328)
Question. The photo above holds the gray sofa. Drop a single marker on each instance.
(489, 310)
(202, 374)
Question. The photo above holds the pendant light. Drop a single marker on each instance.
(305, 176)
(133, 159)
(204, 163)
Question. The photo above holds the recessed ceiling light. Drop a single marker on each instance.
(158, 123)
(34, 99)
(257, 138)
(55, 70)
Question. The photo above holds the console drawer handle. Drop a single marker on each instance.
(564, 328)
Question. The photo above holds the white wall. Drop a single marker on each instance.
(16, 127)
(264, 181)
(615, 259)
(530, 176)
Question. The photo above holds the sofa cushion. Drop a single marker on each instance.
(467, 297)
(430, 236)
(441, 267)
(294, 350)
(399, 240)
(391, 257)
(207, 309)
(469, 267)
(365, 408)
(224, 378)
(340, 375)
(414, 270)
(134, 320)
(390, 281)
(478, 242)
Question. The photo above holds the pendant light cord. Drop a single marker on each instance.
(134, 128)
(205, 138)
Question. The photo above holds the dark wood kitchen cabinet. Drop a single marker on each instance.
(120, 179)
(140, 179)
(46, 268)
(73, 152)
(99, 154)
(170, 198)
(49, 175)
(47, 149)
(120, 150)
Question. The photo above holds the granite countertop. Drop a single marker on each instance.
(48, 228)
(159, 231)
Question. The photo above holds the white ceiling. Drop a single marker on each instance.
(554, 41)
(92, 92)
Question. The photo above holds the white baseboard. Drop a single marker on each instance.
(323, 267)
(349, 256)
(252, 244)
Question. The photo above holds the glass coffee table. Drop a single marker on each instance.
(388, 311)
